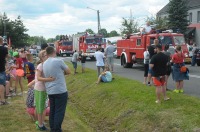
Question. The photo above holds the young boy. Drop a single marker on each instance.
(29, 68)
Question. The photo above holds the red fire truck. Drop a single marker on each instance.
(131, 50)
(64, 47)
(88, 43)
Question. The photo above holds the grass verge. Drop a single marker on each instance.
(122, 105)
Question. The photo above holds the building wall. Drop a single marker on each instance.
(194, 15)
(197, 37)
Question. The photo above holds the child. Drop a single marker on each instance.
(30, 101)
(29, 68)
(39, 91)
(106, 75)
(83, 59)
(19, 72)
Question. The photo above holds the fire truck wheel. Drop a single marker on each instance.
(125, 64)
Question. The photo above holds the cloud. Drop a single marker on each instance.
(49, 18)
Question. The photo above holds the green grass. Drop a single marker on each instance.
(122, 105)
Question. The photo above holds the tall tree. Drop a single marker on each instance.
(113, 33)
(129, 26)
(178, 15)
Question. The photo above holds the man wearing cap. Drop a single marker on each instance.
(158, 64)
(3, 55)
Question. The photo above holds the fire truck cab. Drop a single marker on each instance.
(88, 43)
(131, 50)
(64, 47)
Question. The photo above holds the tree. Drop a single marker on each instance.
(113, 33)
(104, 32)
(177, 18)
(159, 23)
(90, 31)
(129, 26)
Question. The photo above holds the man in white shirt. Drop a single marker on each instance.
(99, 60)
(147, 28)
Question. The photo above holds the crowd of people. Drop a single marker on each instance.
(47, 90)
(160, 64)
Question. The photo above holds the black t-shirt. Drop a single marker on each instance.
(83, 58)
(160, 64)
(3, 53)
(151, 50)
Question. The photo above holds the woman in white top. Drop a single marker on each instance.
(146, 64)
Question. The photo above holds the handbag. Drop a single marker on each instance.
(183, 69)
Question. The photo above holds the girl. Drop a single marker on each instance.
(19, 72)
(106, 75)
(178, 77)
(39, 91)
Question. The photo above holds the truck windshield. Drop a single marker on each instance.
(179, 40)
(165, 40)
(67, 43)
(93, 40)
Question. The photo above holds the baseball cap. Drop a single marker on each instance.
(15, 54)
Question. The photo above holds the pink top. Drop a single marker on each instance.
(39, 85)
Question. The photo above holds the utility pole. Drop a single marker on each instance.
(98, 19)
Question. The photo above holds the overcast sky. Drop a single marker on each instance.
(49, 18)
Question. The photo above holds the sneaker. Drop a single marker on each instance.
(43, 128)
(166, 98)
(19, 94)
(157, 101)
(149, 84)
(181, 91)
(176, 91)
(13, 94)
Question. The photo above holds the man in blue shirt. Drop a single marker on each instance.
(56, 90)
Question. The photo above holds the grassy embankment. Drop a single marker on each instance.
(122, 105)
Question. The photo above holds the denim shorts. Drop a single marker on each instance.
(74, 65)
(103, 79)
(2, 78)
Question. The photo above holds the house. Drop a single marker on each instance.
(193, 31)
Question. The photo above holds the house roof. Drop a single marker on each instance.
(192, 4)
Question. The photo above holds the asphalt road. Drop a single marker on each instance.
(191, 87)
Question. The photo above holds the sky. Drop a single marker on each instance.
(49, 18)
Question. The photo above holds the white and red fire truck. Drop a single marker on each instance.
(131, 49)
(88, 43)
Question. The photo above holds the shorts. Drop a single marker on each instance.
(8, 77)
(40, 100)
(31, 111)
(159, 81)
(150, 71)
(103, 78)
(110, 60)
(3, 78)
(83, 65)
(20, 72)
(74, 65)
